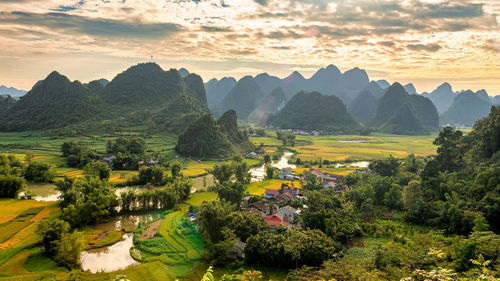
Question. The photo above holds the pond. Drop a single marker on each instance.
(117, 256)
(258, 174)
(43, 191)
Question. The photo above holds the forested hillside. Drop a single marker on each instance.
(314, 111)
(142, 95)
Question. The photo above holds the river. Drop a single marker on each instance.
(258, 174)
(117, 256)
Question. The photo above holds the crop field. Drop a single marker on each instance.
(259, 188)
(177, 245)
(356, 148)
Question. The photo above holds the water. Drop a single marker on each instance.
(111, 258)
(117, 256)
(258, 174)
(44, 191)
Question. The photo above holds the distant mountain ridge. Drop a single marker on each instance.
(11, 91)
(467, 107)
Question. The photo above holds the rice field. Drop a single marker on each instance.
(355, 148)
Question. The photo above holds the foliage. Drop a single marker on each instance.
(151, 175)
(98, 170)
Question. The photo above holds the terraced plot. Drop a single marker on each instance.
(178, 245)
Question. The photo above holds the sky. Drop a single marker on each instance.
(426, 42)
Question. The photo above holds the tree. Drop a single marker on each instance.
(480, 224)
(212, 219)
(394, 198)
(246, 224)
(10, 186)
(449, 154)
(411, 193)
(39, 172)
(387, 167)
(175, 169)
(97, 169)
(270, 172)
(232, 192)
(151, 175)
(222, 172)
(267, 159)
(241, 172)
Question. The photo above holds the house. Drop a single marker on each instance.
(285, 173)
(251, 155)
(290, 189)
(274, 220)
(258, 207)
(261, 151)
(288, 212)
(236, 251)
(109, 160)
(329, 184)
(288, 196)
(278, 199)
(326, 177)
(272, 192)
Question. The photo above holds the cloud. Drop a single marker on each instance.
(91, 26)
(424, 47)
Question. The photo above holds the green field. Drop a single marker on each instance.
(355, 148)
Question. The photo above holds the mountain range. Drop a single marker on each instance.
(11, 91)
(142, 95)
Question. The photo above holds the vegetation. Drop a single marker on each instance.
(208, 137)
(401, 113)
(313, 111)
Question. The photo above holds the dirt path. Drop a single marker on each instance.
(151, 230)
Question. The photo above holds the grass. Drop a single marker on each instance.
(38, 262)
(94, 238)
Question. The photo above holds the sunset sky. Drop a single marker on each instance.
(426, 42)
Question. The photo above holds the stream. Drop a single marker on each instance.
(258, 174)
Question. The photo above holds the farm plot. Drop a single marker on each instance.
(178, 245)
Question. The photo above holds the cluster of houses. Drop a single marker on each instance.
(295, 132)
(275, 206)
(328, 180)
(255, 155)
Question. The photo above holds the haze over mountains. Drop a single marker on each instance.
(352, 87)
(11, 91)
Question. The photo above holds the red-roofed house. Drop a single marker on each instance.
(274, 220)
(288, 195)
(290, 189)
(272, 192)
(329, 184)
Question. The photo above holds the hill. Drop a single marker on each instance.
(442, 97)
(363, 106)
(207, 137)
(395, 103)
(217, 90)
(55, 102)
(243, 98)
(467, 108)
(272, 103)
(314, 111)
(6, 103)
(143, 95)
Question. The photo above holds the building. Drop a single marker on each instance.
(290, 189)
(236, 251)
(272, 192)
(288, 212)
(329, 184)
(109, 160)
(259, 207)
(274, 220)
(251, 155)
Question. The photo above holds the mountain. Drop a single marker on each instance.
(395, 103)
(375, 89)
(6, 103)
(56, 102)
(483, 95)
(243, 98)
(383, 84)
(495, 100)
(326, 80)
(410, 89)
(363, 106)
(442, 97)
(217, 90)
(143, 95)
(314, 111)
(183, 72)
(11, 91)
(272, 103)
(294, 83)
(207, 137)
(267, 83)
(467, 108)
